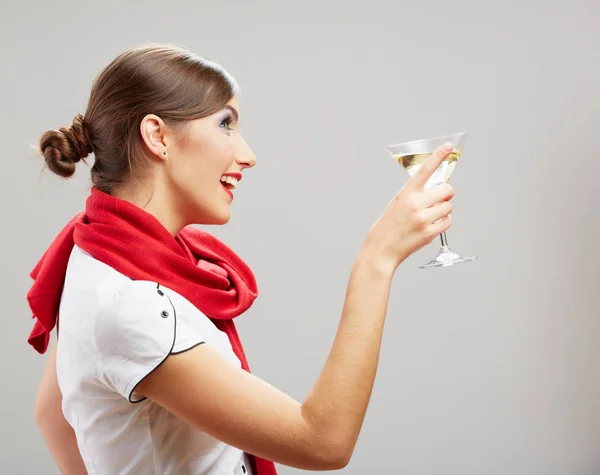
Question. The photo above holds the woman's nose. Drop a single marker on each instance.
(245, 157)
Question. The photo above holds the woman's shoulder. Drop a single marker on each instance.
(116, 292)
(137, 316)
(104, 296)
(132, 298)
(93, 287)
(119, 312)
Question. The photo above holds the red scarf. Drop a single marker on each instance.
(194, 264)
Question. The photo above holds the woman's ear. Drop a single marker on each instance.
(153, 131)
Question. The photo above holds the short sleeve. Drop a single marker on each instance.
(134, 333)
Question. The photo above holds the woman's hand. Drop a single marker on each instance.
(414, 217)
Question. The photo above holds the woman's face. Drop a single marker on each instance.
(204, 165)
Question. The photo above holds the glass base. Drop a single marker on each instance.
(446, 257)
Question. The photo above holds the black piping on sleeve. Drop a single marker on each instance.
(187, 349)
(170, 352)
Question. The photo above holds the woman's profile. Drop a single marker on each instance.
(148, 374)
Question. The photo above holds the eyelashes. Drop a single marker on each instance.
(227, 122)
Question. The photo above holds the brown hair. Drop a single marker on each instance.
(175, 84)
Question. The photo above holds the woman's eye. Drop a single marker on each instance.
(226, 123)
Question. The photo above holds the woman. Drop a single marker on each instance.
(148, 374)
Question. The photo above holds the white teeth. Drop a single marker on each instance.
(230, 180)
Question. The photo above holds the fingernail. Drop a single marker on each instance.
(448, 147)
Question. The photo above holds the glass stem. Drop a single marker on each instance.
(444, 240)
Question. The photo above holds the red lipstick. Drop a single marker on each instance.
(237, 176)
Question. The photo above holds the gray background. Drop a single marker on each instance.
(486, 368)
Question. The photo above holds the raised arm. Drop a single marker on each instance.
(56, 431)
(203, 388)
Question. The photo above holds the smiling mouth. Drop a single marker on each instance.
(229, 182)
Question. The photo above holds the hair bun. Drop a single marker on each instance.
(63, 148)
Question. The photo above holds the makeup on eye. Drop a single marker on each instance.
(226, 122)
(232, 116)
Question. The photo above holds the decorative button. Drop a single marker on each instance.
(164, 314)
(243, 468)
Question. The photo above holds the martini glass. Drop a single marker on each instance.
(411, 156)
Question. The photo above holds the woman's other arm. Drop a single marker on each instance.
(56, 431)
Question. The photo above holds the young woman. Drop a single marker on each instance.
(148, 375)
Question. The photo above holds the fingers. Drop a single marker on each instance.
(443, 192)
(437, 212)
(430, 165)
(441, 226)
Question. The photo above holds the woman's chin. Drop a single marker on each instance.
(223, 221)
(218, 219)
(214, 216)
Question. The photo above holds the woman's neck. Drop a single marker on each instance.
(155, 200)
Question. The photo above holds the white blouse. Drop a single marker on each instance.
(113, 331)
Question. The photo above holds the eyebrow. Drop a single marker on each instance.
(236, 115)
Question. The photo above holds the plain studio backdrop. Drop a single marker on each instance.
(486, 368)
